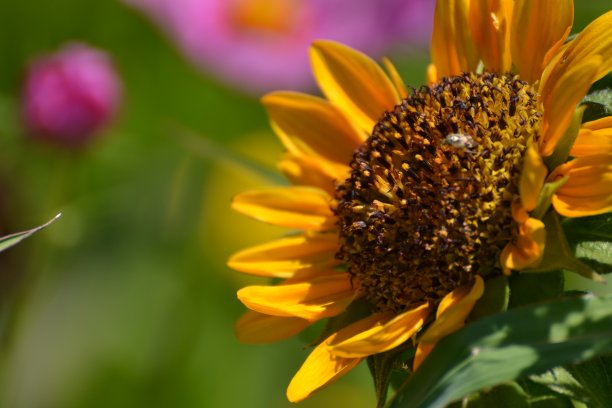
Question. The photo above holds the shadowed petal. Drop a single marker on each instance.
(588, 190)
(257, 328)
(594, 138)
(532, 178)
(527, 249)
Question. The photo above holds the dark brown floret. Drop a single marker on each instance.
(428, 202)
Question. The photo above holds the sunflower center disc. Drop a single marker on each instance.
(428, 203)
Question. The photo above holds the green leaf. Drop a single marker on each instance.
(561, 382)
(514, 344)
(595, 376)
(540, 396)
(494, 299)
(526, 289)
(558, 254)
(13, 239)
(598, 105)
(509, 395)
(592, 239)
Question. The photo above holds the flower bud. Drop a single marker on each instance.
(70, 95)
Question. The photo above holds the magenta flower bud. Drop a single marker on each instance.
(70, 95)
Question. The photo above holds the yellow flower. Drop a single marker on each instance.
(411, 199)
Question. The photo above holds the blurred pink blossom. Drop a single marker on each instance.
(70, 95)
(260, 45)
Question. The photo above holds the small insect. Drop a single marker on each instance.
(459, 141)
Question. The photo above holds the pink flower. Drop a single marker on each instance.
(70, 95)
(260, 45)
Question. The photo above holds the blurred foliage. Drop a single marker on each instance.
(126, 301)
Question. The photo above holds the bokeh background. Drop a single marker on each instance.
(126, 300)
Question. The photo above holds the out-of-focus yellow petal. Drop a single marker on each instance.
(588, 190)
(396, 78)
(490, 22)
(313, 171)
(532, 178)
(539, 28)
(526, 249)
(452, 48)
(561, 99)
(353, 82)
(320, 369)
(422, 351)
(312, 126)
(284, 257)
(385, 333)
(453, 310)
(432, 74)
(594, 138)
(293, 207)
(594, 40)
(315, 299)
(257, 328)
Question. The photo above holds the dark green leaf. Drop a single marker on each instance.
(382, 366)
(540, 396)
(592, 239)
(595, 376)
(494, 300)
(509, 395)
(527, 289)
(13, 239)
(559, 255)
(598, 105)
(511, 345)
(559, 381)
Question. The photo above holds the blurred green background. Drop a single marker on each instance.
(126, 300)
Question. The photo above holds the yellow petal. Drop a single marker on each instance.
(561, 99)
(352, 82)
(422, 351)
(284, 257)
(526, 249)
(532, 178)
(594, 40)
(452, 48)
(432, 74)
(257, 328)
(385, 333)
(320, 369)
(313, 171)
(490, 28)
(396, 78)
(311, 300)
(594, 138)
(588, 190)
(539, 28)
(453, 310)
(293, 207)
(311, 126)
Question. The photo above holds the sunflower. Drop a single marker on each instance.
(408, 200)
